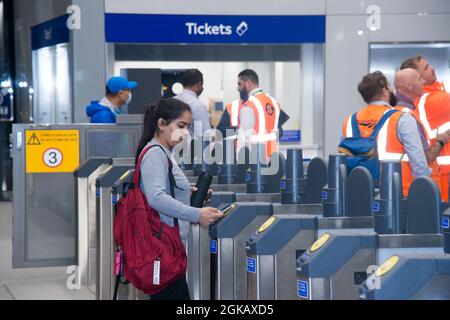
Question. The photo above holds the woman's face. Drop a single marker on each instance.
(176, 131)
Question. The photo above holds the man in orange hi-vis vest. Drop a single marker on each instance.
(435, 112)
(259, 115)
(409, 87)
(230, 117)
(399, 137)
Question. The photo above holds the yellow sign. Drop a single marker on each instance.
(387, 266)
(266, 224)
(320, 242)
(52, 151)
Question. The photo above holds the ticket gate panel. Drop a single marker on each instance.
(225, 270)
(345, 283)
(258, 287)
(285, 260)
(228, 272)
(415, 276)
(335, 265)
(438, 288)
(86, 201)
(282, 237)
(104, 288)
(198, 272)
(240, 274)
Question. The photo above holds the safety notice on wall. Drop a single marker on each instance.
(52, 151)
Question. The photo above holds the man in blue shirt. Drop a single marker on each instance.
(193, 88)
(118, 93)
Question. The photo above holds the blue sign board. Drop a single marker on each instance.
(213, 246)
(302, 289)
(282, 185)
(164, 28)
(50, 33)
(444, 223)
(291, 136)
(248, 176)
(251, 265)
(375, 206)
(324, 195)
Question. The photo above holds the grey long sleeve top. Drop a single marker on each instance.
(155, 185)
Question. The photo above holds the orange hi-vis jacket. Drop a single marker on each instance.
(233, 110)
(389, 146)
(437, 86)
(439, 96)
(435, 174)
(433, 109)
(267, 113)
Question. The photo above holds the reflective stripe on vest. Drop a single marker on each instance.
(382, 141)
(261, 117)
(349, 129)
(432, 133)
(234, 116)
(443, 160)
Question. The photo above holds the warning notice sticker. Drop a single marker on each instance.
(52, 150)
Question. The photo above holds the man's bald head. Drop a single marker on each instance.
(409, 83)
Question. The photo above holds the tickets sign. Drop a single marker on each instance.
(52, 151)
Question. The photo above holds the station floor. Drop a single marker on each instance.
(31, 283)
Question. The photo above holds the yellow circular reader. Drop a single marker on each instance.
(320, 242)
(387, 266)
(266, 224)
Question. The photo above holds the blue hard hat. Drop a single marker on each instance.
(115, 84)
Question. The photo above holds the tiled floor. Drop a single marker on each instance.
(31, 283)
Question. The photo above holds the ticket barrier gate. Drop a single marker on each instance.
(337, 263)
(273, 250)
(232, 171)
(227, 247)
(105, 209)
(295, 187)
(410, 277)
(257, 181)
(86, 175)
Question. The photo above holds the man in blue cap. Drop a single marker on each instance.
(118, 93)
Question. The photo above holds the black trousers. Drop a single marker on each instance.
(177, 290)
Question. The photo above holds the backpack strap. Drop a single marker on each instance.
(137, 175)
(355, 128)
(380, 123)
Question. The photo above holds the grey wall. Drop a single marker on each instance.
(89, 57)
(27, 14)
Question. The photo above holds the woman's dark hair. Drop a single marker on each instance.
(168, 109)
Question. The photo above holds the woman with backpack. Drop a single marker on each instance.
(165, 126)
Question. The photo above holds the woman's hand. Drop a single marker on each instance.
(209, 215)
